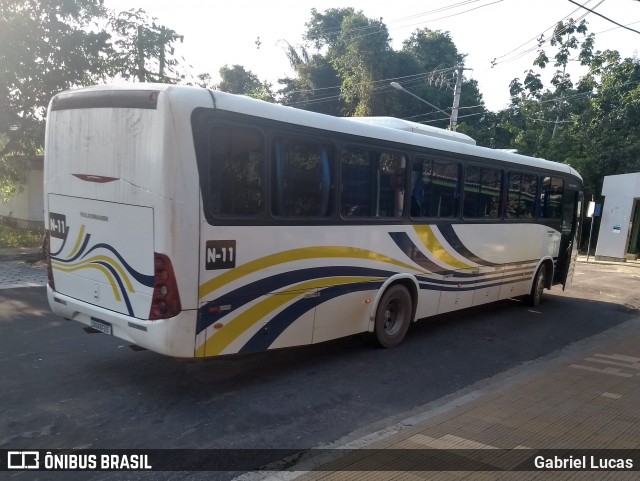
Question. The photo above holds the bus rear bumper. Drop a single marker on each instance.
(166, 336)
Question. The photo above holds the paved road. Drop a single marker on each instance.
(63, 388)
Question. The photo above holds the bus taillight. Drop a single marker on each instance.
(166, 299)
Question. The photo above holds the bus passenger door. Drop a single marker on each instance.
(569, 242)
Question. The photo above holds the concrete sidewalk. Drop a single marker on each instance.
(588, 398)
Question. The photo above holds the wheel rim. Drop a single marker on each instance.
(392, 316)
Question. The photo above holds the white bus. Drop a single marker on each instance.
(196, 223)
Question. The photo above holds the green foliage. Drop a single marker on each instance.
(592, 125)
(346, 76)
(359, 53)
(16, 237)
(237, 80)
(47, 46)
(316, 86)
(143, 49)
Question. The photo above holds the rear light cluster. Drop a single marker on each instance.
(166, 299)
(46, 250)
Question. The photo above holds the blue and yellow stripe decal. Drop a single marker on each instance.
(302, 254)
(437, 258)
(454, 241)
(432, 244)
(115, 269)
(246, 320)
(210, 314)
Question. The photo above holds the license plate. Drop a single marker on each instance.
(101, 326)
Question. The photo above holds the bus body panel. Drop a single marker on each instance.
(325, 285)
(101, 253)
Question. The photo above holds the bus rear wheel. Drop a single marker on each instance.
(537, 289)
(393, 316)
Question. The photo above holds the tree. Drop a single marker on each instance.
(316, 86)
(47, 46)
(358, 50)
(354, 65)
(607, 134)
(143, 49)
(592, 124)
(237, 80)
(435, 62)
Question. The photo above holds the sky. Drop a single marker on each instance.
(252, 34)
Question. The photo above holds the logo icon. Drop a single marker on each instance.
(23, 460)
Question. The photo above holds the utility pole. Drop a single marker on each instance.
(456, 99)
(140, 48)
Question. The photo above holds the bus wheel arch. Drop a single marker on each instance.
(394, 310)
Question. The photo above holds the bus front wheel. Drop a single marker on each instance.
(539, 282)
(393, 316)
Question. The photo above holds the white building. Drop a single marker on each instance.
(619, 237)
(27, 206)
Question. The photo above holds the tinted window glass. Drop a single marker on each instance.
(482, 189)
(301, 178)
(236, 169)
(434, 188)
(373, 183)
(551, 198)
(522, 189)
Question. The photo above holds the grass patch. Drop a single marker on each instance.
(15, 237)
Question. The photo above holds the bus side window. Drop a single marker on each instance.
(301, 176)
(551, 198)
(521, 195)
(236, 166)
(434, 186)
(373, 183)
(482, 192)
(390, 184)
(355, 196)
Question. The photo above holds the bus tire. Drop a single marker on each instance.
(393, 316)
(537, 288)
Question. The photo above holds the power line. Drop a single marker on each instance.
(539, 38)
(454, 14)
(606, 18)
(413, 78)
(541, 34)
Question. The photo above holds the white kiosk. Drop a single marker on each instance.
(619, 237)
